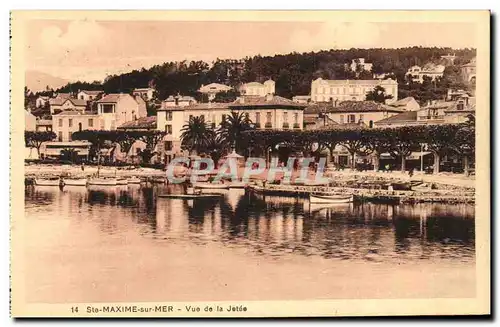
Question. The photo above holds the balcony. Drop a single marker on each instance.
(286, 126)
(268, 125)
(296, 126)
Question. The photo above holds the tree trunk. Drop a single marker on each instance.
(403, 163)
(353, 165)
(437, 160)
(98, 161)
(376, 161)
(466, 166)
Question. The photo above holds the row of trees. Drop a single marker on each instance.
(441, 140)
(292, 72)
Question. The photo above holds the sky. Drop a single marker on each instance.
(90, 50)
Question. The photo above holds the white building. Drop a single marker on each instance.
(41, 101)
(145, 93)
(59, 104)
(88, 95)
(259, 89)
(269, 112)
(213, 88)
(117, 109)
(362, 64)
(178, 100)
(417, 73)
(337, 91)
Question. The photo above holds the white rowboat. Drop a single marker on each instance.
(210, 186)
(103, 181)
(47, 182)
(75, 181)
(317, 198)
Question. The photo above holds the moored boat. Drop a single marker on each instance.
(134, 180)
(102, 181)
(211, 186)
(336, 198)
(47, 182)
(75, 181)
(121, 181)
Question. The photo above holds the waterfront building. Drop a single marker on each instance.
(336, 91)
(44, 125)
(259, 89)
(141, 124)
(417, 73)
(269, 112)
(88, 95)
(357, 112)
(119, 108)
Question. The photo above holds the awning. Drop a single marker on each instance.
(417, 155)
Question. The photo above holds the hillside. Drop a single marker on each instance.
(292, 72)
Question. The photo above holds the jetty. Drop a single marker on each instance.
(367, 194)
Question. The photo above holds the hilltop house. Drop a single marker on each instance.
(417, 73)
(212, 89)
(178, 100)
(259, 89)
(145, 93)
(88, 95)
(336, 91)
(119, 108)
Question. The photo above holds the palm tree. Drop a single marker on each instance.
(232, 128)
(196, 134)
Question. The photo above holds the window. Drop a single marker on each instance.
(168, 129)
(80, 127)
(91, 122)
(341, 119)
(90, 97)
(296, 118)
(169, 115)
(168, 145)
(59, 136)
(60, 123)
(223, 118)
(361, 116)
(69, 136)
(70, 122)
(107, 108)
(371, 123)
(81, 97)
(460, 105)
(351, 118)
(268, 117)
(190, 117)
(285, 116)
(257, 117)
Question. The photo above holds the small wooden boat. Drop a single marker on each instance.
(102, 181)
(337, 198)
(47, 182)
(134, 180)
(75, 181)
(238, 185)
(189, 196)
(121, 181)
(211, 186)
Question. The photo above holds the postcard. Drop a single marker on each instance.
(250, 163)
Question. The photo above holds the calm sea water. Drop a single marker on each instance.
(270, 227)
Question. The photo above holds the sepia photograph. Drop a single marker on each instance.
(250, 163)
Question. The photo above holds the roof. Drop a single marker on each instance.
(314, 119)
(75, 113)
(172, 98)
(63, 95)
(355, 81)
(91, 92)
(197, 106)
(61, 101)
(113, 97)
(399, 118)
(361, 106)
(255, 100)
(214, 87)
(44, 122)
(253, 84)
(141, 123)
(402, 102)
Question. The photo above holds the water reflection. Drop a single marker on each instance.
(274, 226)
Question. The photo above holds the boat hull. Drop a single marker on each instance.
(209, 186)
(121, 182)
(330, 199)
(47, 182)
(103, 182)
(134, 181)
(76, 182)
(189, 196)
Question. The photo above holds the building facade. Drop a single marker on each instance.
(417, 73)
(145, 93)
(360, 62)
(336, 91)
(117, 109)
(468, 71)
(258, 89)
(61, 104)
(89, 95)
(407, 104)
(65, 123)
(361, 112)
(178, 100)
